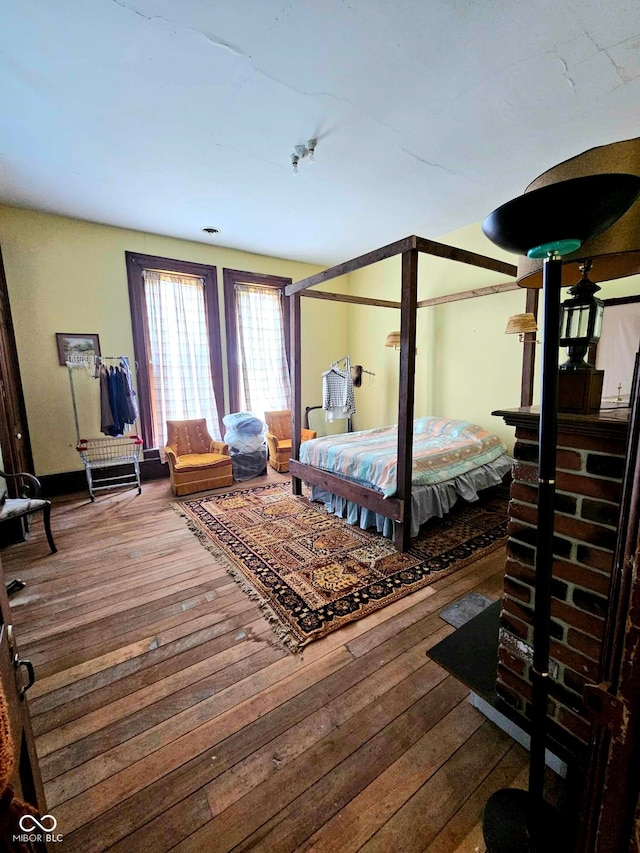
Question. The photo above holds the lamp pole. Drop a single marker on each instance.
(547, 443)
(514, 821)
(546, 223)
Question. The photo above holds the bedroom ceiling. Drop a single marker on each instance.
(169, 116)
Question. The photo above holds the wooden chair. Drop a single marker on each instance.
(28, 503)
(196, 461)
(279, 438)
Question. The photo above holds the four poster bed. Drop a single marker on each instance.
(452, 459)
(396, 500)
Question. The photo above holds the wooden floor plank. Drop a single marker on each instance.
(237, 603)
(232, 750)
(61, 764)
(440, 797)
(168, 716)
(136, 623)
(462, 832)
(260, 765)
(123, 708)
(122, 771)
(365, 814)
(152, 666)
(337, 768)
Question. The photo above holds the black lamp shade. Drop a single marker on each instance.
(573, 210)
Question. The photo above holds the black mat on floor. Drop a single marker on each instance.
(471, 652)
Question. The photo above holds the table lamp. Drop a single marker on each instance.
(546, 224)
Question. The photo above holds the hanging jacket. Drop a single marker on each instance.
(106, 415)
(131, 405)
(117, 427)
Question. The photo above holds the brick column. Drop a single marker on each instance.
(590, 461)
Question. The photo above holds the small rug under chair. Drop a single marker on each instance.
(312, 572)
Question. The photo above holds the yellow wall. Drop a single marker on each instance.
(465, 366)
(65, 275)
(69, 276)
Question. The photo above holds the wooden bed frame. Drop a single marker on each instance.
(397, 508)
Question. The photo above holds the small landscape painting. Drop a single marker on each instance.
(75, 346)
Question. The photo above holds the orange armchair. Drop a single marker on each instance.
(196, 461)
(279, 438)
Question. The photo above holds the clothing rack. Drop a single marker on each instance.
(347, 361)
(103, 453)
(356, 380)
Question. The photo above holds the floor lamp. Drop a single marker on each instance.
(546, 223)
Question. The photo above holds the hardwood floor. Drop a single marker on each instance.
(167, 717)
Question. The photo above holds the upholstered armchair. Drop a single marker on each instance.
(196, 461)
(279, 438)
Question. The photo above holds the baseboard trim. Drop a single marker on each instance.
(76, 481)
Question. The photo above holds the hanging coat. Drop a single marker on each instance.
(106, 415)
(131, 405)
(117, 427)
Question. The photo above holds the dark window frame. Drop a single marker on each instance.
(230, 279)
(136, 264)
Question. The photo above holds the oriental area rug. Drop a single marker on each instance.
(312, 573)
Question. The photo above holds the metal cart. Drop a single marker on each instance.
(101, 454)
(104, 453)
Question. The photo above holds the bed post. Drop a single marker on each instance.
(402, 529)
(296, 385)
(529, 351)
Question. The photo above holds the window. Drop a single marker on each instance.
(257, 321)
(175, 319)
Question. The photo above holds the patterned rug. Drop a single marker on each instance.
(312, 572)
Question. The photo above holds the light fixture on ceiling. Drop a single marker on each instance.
(521, 324)
(303, 152)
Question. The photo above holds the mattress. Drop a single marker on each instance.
(442, 450)
(452, 460)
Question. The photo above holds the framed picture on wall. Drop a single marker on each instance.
(72, 345)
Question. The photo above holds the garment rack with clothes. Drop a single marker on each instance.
(100, 454)
(337, 390)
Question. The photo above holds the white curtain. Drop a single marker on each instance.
(616, 352)
(180, 369)
(263, 368)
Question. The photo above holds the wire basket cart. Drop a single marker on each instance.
(100, 456)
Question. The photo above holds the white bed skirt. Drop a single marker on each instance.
(426, 501)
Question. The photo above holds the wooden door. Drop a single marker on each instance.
(14, 437)
(14, 678)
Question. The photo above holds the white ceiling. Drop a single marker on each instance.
(170, 115)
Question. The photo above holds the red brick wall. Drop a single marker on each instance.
(589, 485)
